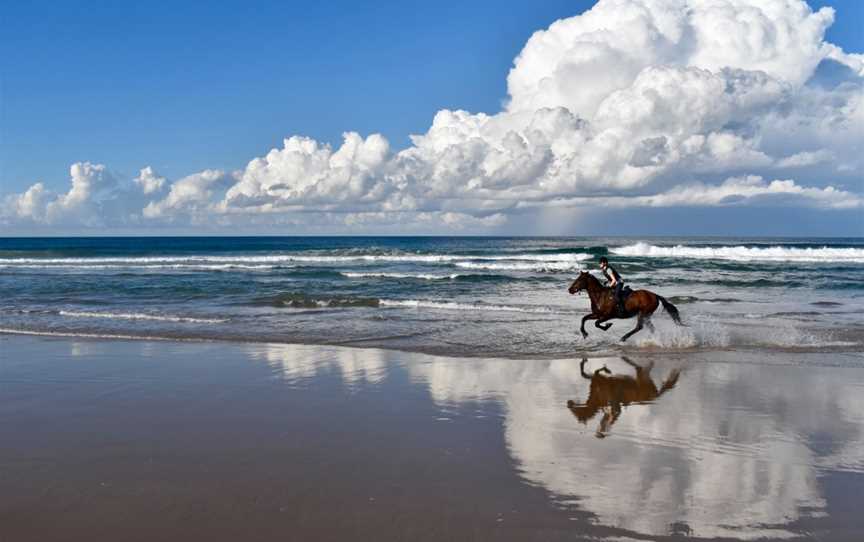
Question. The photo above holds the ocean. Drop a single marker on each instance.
(464, 296)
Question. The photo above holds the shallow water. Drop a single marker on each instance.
(141, 440)
(460, 296)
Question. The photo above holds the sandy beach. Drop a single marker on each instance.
(163, 440)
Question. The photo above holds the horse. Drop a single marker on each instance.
(640, 303)
(617, 391)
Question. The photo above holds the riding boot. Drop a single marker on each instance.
(619, 299)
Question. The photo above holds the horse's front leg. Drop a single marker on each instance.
(634, 330)
(599, 324)
(585, 318)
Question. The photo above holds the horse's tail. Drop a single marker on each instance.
(671, 309)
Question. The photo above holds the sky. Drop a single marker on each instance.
(650, 116)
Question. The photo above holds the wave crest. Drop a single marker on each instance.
(450, 305)
(742, 253)
(417, 276)
(140, 316)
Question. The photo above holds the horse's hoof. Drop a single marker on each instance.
(623, 339)
(584, 335)
(571, 403)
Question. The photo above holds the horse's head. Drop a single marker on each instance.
(580, 283)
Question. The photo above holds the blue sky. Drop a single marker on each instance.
(213, 84)
(184, 88)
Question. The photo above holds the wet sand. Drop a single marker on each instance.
(139, 440)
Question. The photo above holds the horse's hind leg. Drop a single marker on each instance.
(634, 330)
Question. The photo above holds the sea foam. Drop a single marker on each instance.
(417, 276)
(140, 316)
(744, 253)
(449, 305)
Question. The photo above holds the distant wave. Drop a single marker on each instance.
(144, 261)
(140, 316)
(546, 267)
(298, 300)
(418, 276)
(182, 267)
(745, 254)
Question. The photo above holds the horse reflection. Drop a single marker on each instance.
(611, 393)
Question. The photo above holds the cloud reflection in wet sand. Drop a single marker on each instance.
(732, 451)
(297, 362)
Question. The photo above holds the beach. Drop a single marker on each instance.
(207, 440)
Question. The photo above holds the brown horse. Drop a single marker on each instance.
(640, 303)
(611, 393)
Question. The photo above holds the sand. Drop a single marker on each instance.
(162, 440)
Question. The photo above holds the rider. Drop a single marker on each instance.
(615, 281)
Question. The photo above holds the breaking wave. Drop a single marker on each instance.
(302, 301)
(745, 254)
(140, 316)
(547, 267)
(418, 276)
(298, 300)
(452, 306)
(148, 267)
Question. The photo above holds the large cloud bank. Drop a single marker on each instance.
(638, 103)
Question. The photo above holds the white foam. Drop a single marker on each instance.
(712, 334)
(140, 316)
(545, 267)
(91, 335)
(449, 305)
(741, 253)
(183, 267)
(419, 276)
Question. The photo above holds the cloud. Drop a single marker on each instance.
(766, 483)
(306, 172)
(191, 195)
(90, 183)
(149, 181)
(632, 103)
(751, 189)
(770, 458)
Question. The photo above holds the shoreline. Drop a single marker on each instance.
(378, 343)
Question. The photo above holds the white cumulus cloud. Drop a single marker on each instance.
(632, 103)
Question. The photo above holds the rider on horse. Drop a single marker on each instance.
(614, 280)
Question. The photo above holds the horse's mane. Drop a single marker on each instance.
(592, 278)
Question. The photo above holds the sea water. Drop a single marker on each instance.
(467, 296)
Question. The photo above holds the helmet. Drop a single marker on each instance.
(604, 261)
